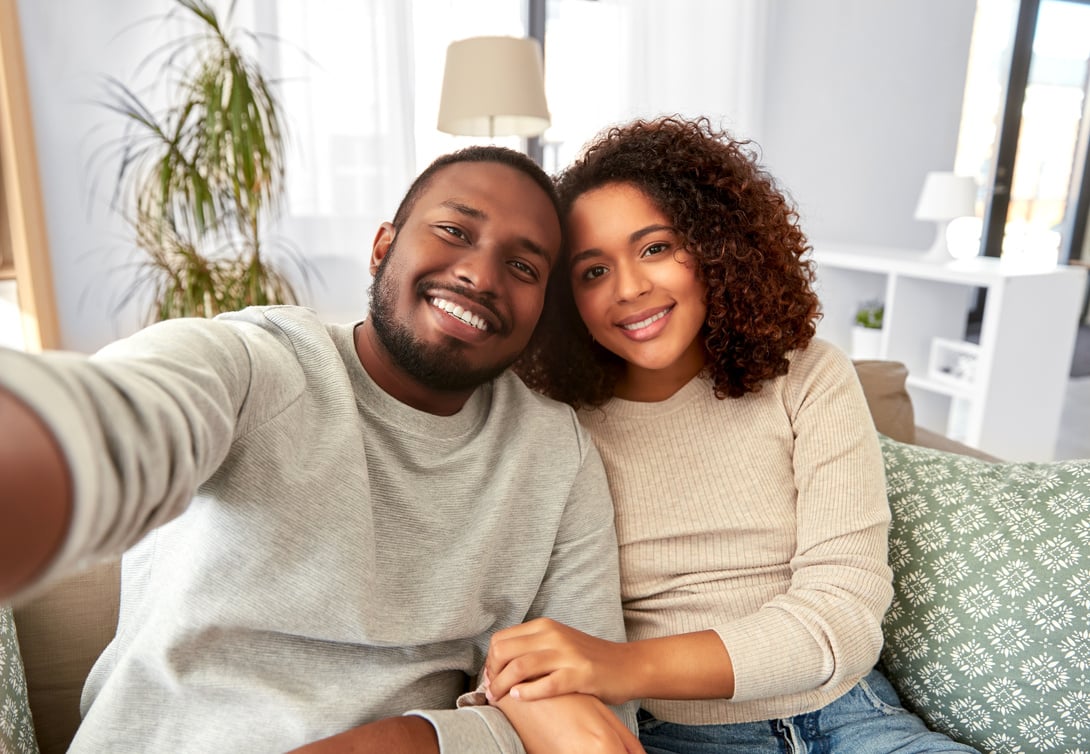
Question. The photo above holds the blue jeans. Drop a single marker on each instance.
(868, 719)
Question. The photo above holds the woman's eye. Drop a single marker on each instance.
(655, 248)
(591, 273)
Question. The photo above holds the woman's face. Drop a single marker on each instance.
(636, 289)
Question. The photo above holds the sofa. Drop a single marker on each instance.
(961, 649)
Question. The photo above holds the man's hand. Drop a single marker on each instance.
(392, 735)
(542, 658)
(575, 724)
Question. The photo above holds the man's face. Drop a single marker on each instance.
(459, 290)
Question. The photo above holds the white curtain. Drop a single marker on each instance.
(360, 82)
(345, 78)
(614, 60)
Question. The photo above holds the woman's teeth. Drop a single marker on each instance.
(645, 322)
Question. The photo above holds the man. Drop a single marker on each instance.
(324, 523)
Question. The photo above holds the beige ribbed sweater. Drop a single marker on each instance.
(764, 518)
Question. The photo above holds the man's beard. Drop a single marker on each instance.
(439, 367)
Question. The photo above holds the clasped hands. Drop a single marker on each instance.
(542, 659)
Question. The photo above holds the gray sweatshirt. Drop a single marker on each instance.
(307, 553)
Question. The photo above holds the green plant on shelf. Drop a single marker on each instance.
(869, 315)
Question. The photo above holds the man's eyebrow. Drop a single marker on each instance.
(477, 214)
(464, 209)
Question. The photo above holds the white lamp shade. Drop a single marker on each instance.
(946, 196)
(493, 86)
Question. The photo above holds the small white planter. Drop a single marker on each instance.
(866, 342)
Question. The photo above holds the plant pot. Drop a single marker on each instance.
(866, 343)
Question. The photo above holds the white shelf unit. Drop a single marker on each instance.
(1010, 405)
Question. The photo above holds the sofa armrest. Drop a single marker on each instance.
(891, 408)
(927, 439)
(887, 398)
(61, 634)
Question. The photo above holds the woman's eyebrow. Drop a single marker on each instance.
(636, 235)
(585, 254)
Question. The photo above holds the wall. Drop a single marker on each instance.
(69, 47)
(862, 99)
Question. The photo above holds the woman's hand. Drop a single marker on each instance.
(575, 724)
(543, 658)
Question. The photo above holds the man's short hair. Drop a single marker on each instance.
(501, 155)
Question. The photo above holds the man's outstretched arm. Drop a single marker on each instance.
(35, 495)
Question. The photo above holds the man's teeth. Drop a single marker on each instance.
(645, 322)
(458, 312)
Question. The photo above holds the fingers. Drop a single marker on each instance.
(522, 657)
(537, 673)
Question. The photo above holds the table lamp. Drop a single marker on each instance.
(945, 197)
(493, 86)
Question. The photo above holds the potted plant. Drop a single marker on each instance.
(867, 331)
(200, 181)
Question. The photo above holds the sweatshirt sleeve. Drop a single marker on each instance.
(827, 626)
(142, 423)
(581, 588)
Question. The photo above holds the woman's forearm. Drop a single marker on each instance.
(686, 666)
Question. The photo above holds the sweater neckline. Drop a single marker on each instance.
(372, 398)
(696, 389)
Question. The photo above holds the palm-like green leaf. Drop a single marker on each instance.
(208, 170)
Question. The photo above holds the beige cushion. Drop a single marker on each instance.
(61, 633)
(888, 400)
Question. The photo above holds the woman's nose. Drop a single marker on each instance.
(631, 283)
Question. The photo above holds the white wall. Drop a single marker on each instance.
(69, 46)
(862, 99)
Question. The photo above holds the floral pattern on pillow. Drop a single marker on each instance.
(16, 727)
(988, 636)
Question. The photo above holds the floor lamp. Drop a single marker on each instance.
(493, 86)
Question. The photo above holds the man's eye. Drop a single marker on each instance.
(454, 231)
(524, 268)
(655, 248)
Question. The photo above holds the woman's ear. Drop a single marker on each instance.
(384, 239)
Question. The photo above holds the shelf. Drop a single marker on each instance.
(1003, 394)
(950, 387)
(954, 362)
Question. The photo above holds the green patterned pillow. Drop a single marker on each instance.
(16, 728)
(988, 636)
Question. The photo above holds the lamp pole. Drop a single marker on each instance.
(535, 10)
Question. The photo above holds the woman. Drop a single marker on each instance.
(745, 469)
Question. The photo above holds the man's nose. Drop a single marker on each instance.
(480, 269)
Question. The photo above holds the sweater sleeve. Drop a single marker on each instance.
(826, 627)
(581, 588)
(142, 424)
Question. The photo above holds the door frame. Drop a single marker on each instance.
(27, 242)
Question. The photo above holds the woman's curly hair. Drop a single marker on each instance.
(736, 224)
